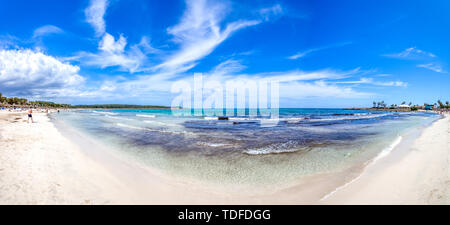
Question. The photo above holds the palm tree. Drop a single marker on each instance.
(403, 102)
(440, 104)
(410, 103)
(374, 104)
(2, 98)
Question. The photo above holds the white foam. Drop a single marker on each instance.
(145, 115)
(155, 130)
(387, 150)
(129, 126)
(119, 118)
(213, 144)
(107, 113)
(356, 117)
(382, 154)
(211, 118)
(273, 149)
(265, 151)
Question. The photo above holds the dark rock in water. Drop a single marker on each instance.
(223, 118)
(343, 114)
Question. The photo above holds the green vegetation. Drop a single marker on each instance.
(22, 102)
(119, 106)
(439, 105)
(443, 106)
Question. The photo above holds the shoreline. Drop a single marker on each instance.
(86, 173)
(415, 172)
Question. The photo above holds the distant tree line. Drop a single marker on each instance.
(444, 106)
(383, 105)
(119, 106)
(23, 102)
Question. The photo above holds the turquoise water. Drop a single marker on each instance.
(241, 151)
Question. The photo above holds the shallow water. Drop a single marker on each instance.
(240, 150)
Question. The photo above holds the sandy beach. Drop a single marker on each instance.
(39, 165)
(416, 172)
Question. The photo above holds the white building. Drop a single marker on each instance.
(404, 106)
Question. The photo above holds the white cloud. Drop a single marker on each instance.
(318, 89)
(94, 15)
(304, 53)
(114, 53)
(199, 33)
(268, 13)
(411, 53)
(371, 81)
(229, 66)
(293, 84)
(31, 73)
(8, 41)
(46, 30)
(432, 66)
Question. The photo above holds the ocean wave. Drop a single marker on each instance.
(265, 151)
(118, 118)
(130, 127)
(388, 150)
(107, 113)
(286, 147)
(156, 122)
(211, 118)
(380, 155)
(355, 117)
(255, 119)
(213, 144)
(146, 115)
(155, 130)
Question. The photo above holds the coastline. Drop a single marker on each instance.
(41, 165)
(416, 172)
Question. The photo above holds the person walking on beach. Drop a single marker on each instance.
(30, 115)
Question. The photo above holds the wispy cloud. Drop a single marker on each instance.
(412, 53)
(432, 66)
(294, 84)
(8, 41)
(199, 32)
(306, 52)
(270, 12)
(429, 60)
(94, 15)
(229, 66)
(371, 81)
(114, 53)
(46, 30)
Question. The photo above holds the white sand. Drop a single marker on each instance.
(417, 173)
(38, 165)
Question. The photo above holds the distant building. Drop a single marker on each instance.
(429, 107)
(404, 106)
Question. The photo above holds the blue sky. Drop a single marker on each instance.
(326, 53)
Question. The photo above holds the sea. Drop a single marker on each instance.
(240, 150)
